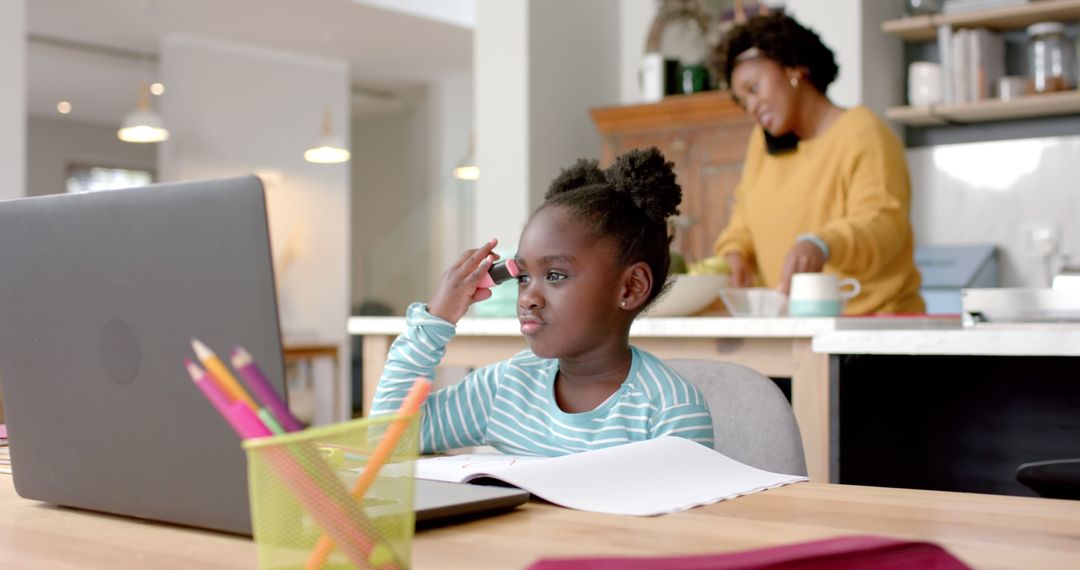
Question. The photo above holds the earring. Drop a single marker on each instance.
(794, 82)
(622, 304)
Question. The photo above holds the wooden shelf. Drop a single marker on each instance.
(1041, 105)
(709, 107)
(924, 28)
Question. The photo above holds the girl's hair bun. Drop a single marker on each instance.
(583, 173)
(649, 180)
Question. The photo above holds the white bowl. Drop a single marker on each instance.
(687, 294)
(754, 301)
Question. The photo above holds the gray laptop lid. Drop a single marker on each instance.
(437, 502)
(100, 295)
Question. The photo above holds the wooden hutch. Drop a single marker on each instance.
(705, 135)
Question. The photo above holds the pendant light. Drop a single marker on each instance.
(143, 125)
(466, 168)
(329, 149)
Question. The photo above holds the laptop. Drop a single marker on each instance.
(100, 296)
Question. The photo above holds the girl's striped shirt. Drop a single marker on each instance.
(511, 406)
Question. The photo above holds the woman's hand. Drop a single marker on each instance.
(803, 257)
(457, 289)
(740, 271)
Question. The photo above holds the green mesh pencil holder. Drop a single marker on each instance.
(303, 509)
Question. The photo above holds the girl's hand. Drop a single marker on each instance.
(740, 272)
(457, 289)
(803, 257)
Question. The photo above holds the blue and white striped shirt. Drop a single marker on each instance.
(511, 406)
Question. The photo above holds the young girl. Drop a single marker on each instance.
(592, 258)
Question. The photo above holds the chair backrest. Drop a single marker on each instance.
(752, 420)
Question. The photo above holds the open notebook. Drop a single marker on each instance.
(645, 478)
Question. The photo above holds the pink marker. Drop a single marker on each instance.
(500, 271)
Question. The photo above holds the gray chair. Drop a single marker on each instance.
(752, 420)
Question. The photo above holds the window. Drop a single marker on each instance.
(96, 178)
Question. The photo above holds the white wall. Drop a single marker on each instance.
(992, 193)
(55, 144)
(501, 67)
(411, 218)
(839, 23)
(13, 99)
(533, 93)
(871, 62)
(635, 17)
(566, 80)
(233, 109)
(883, 69)
(450, 102)
(391, 209)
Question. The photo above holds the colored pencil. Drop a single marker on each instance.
(249, 370)
(269, 421)
(211, 390)
(317, 489)
(336, 512)
(224, 378)
(409, 407)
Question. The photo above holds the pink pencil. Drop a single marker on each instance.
(251, 373)
(206, 384)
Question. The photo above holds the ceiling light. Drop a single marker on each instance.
(143, 125)
(329, 149)
(157, 88)
(63, 107)
(467, 172)
(466, 168)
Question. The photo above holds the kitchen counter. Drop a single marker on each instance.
(689, 326)
(956, 410)
(776, 347)
(984, 340)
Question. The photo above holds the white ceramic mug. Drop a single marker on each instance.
(820, 294)
(924, 83)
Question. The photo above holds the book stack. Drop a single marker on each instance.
(962, 6)
(972, 63)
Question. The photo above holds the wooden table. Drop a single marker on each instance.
(776, 347)
(986, 531)
(306, 353)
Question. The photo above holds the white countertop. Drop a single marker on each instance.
(996, 340)
(685, 327)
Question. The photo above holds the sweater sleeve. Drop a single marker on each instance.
(455, 416)
(875, 226)
(736, 238)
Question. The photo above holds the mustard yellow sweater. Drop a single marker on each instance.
(850, 187)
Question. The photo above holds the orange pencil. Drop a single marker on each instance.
(409, 407)
(225, 380)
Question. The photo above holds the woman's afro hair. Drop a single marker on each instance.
(780, 38)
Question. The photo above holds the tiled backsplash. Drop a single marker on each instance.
(999, 192)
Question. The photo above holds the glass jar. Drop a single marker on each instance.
(1050, 58)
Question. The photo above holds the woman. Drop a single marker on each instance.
(823, 188)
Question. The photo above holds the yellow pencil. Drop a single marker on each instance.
(409, 407)
(224, 378)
